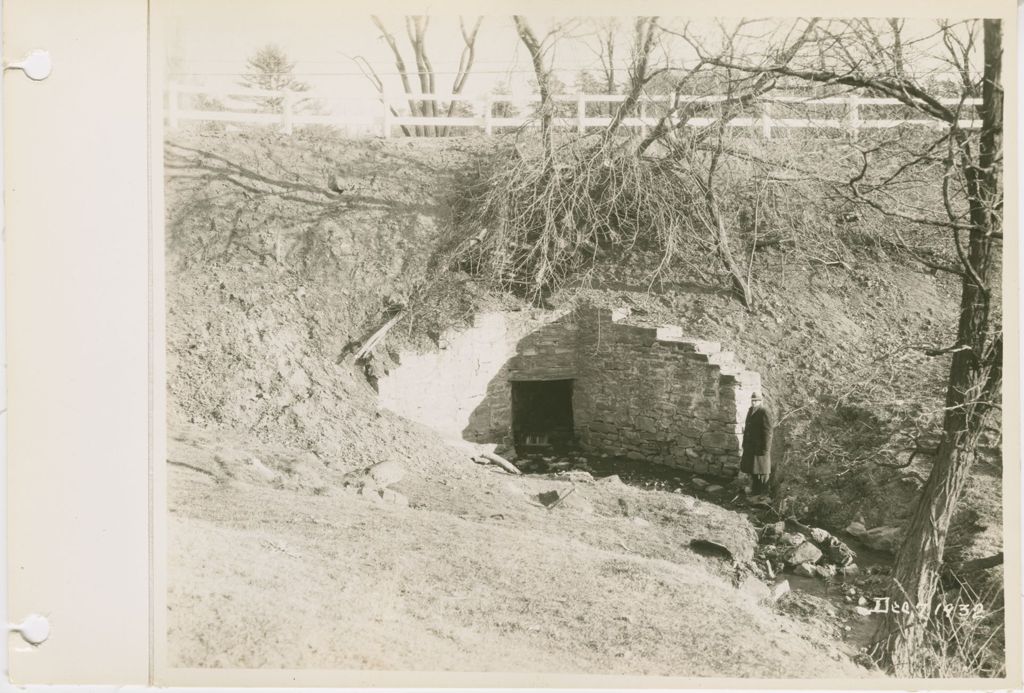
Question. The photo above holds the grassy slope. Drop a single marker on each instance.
(471, 577)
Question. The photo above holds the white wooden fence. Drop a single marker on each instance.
(239, 105)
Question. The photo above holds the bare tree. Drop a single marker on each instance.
(873, 56)
(603, 44)
(465, 60)
(645, 37)
(542, 71)
(416, 30)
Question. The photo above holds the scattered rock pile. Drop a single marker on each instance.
(806, 551)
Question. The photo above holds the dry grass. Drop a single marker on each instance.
(472, 577)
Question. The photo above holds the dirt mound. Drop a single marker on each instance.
(273, 276)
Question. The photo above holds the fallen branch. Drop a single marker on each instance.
(974, 565)
(277, 547)
(497, 459)
(370, 343)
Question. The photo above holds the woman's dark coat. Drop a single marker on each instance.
(757, 441)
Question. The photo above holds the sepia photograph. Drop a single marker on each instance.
(646, 346)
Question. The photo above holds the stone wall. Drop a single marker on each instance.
(644, 393)
(648, 393)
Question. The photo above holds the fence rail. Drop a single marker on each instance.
(234, 108)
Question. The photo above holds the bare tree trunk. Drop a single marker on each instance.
(543, 75)
(609, 71)
(739, 282)
(643, 43)
(400, 64)
(416, 28)
(972, 396)
(378, 83)
(465, 63)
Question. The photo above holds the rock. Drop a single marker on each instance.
(612, 480)
(641, 522)
(883, 538)
(805, 570)
(698, 482)
(755, 588)
(820, 536)
(804, 553)
(263, 470)
(838, 552)
(862, 610)
(384, 474)
(714, 488)
(371, 494)
(548, 497)
(577, 476)
(688, 502)
(778, 589)
(849, 570)
(394, 498)
(862, 601)
(825, 571)
(377, 476)
(627, 506)
(773, 531)
(856, 529)
(791, 539)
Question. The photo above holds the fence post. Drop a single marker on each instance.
(642, 113)
(581, 112)
(766, 120)
(386, 121)
(287, 105)
(854, 115)
(172, 106)
(488, 108)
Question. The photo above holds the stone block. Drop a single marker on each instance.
(720, 441)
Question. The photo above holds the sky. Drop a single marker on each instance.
(206, 42)
(205, 45)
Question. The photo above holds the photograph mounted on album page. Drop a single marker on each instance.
(453, 346)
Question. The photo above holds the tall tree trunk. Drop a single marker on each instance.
(416, 28)
(465, 65)
(645, 30)
(533, 45)
(400, 65)
(972, 396)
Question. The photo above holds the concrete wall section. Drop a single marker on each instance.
(462, 389)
